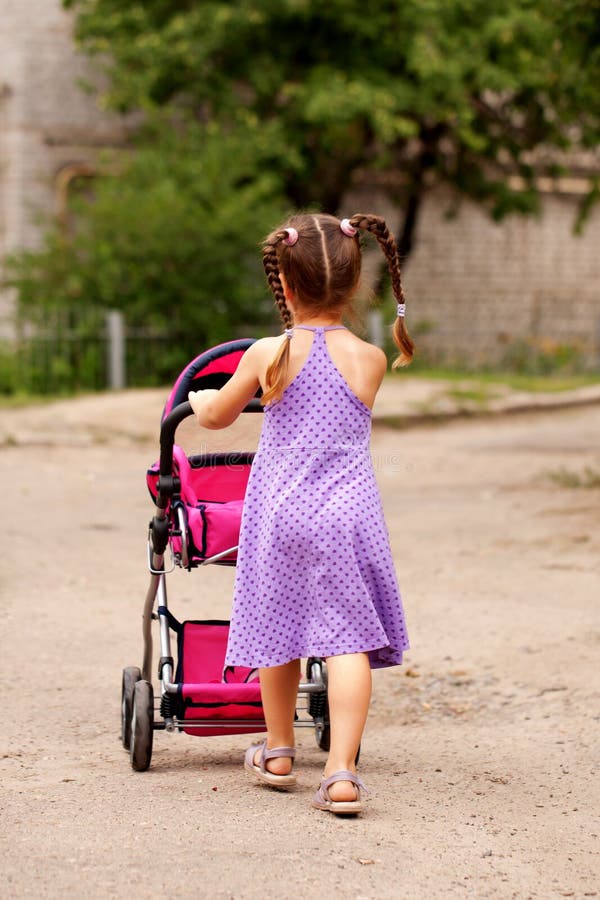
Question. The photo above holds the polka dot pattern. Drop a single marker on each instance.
(315, 575)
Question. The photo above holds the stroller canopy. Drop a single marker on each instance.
(212, 369)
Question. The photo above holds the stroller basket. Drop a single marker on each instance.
(207, 691)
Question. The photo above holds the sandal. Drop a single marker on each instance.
(322, 800)
(261, 770)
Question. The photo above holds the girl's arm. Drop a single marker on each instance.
(218, 409)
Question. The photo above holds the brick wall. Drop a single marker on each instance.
(46, 120)
(478, 289)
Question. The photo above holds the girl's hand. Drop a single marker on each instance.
(218, 409)
(198, 399)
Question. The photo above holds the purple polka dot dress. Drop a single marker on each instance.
(315, 575)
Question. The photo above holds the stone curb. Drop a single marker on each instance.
(132, 416)
(442, 408)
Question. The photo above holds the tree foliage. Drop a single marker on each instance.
(250, 107)
(171, 238)
(404, 91)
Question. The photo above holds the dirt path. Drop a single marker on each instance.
(482, 752)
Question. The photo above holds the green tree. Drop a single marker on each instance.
(408, 92)
(250, 107)
(171, 238)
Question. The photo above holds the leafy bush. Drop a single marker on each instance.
(171, 238)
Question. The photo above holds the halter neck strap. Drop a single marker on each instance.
(320, 328)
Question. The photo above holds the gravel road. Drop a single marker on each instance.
(481, 752)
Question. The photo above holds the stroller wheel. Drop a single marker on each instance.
(142, 721)
(130, 676)
(323, 734)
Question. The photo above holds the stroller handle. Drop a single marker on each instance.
(170, 424)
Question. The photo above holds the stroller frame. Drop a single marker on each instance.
(138, 711)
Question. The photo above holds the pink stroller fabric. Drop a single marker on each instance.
(210, 369)
(212, 495)
(212, 485)
(209, 691)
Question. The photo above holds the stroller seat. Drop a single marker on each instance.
(209, 503)
(206, 503)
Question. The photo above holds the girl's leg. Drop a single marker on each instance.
(279, 689)
(349, 693)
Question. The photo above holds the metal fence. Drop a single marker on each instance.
(88, 353)
(95, 350)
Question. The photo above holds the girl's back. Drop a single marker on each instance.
(361, 365)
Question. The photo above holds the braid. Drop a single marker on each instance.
(378, 228)
(277, 370)
(271, 267)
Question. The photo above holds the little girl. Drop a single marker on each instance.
(314, 575)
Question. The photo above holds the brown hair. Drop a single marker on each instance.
(322, 269)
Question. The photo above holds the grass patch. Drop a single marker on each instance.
(477, 394)
(23, 400)
(589, 478)
(514, 380)
(20, 401)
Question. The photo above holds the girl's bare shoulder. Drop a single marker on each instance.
(260, 355)
(263, 348)
(265, 344)
(369, 354)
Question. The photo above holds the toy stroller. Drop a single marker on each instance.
(198, 510)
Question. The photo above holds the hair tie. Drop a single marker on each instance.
(291, 236)
(347, 228)
(288, 333)
(401, 310)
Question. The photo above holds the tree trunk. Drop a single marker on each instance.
(405, 238)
